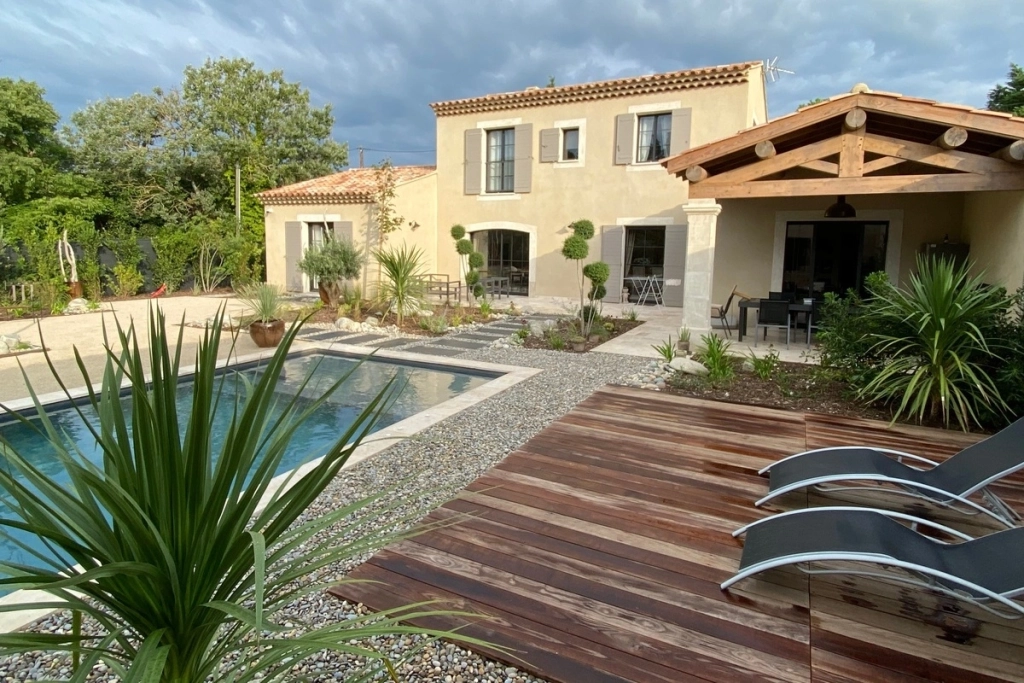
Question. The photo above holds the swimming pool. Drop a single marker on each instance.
(424, 387)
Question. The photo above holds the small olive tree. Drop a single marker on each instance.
(575, 248)
(331, 264)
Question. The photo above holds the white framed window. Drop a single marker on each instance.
(654, 137)
(501, 166)
(570, 144)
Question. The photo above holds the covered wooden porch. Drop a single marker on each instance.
(932, 172)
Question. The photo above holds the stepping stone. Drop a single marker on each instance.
(364, 339)
(436, 351)
(462, 344)
(479, 336)
(504, 326)
(490, 334)
(322, 334)
(401, 341)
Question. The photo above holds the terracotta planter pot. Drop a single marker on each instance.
(75, 290)
(266, 335)
(324, 297)
(683, 346)
(594, 338)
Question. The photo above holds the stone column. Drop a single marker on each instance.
(701, 227)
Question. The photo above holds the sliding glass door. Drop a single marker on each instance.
(832, 256)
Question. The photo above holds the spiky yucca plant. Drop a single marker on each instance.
(184, 554)
(402, 287)
(934, 367)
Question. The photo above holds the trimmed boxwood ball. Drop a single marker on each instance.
(575, 248)
(476, 260)
(478, 290)
(472, 277)
(597, 272)
(598, 292)
(458, 232)
(583, 228)
(464, 247)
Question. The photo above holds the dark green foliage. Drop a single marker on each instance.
(478, 291)
(464, 247)
(332, 264)
(575, 248)
(597, 272)
(472, 278)
(476, 260)
(716, 358)
(582, 228)
(1009, 98)
(598, 292)
(590, 314)
(458, 232)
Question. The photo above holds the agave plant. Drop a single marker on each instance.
(402, 288)
(182, 551)
(935, 365)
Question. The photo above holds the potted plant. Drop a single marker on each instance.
(579, 344)
(683, 343)
(331, 264)
(264, 302)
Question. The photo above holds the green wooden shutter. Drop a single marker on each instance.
(675, 265)
(624, 138)
(681, 123)
(474, 163)
(523, 157)
(549, 139)
(611, 253)
(292, 255)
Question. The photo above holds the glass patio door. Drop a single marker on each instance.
(508, 255)
(832, 256)
(317, 235)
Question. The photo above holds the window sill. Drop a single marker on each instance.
(574, 163)
(646, 166)
(498, 196)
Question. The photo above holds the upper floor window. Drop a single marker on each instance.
(654, 139)
(570, 144)
(501, 153)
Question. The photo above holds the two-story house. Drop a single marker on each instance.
(516, 168)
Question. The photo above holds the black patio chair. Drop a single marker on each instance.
(721, 313)
(772, 314)
(948, 484)
(983, 571)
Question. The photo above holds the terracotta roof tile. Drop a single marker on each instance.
(622, 87)
(352, 186)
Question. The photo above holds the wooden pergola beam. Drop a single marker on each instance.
(764, 149)
(822, 166)
(897, 184)
(696, 174)
(879, 164)
(851, 154)
(951, 138)
(779, 163)
(1012, 153)
(855, 119)
(934, 156)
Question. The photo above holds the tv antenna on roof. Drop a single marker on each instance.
(774, 72)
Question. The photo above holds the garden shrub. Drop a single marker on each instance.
(127, 280)
(174, 249)
(332, 264)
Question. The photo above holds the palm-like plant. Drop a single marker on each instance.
(183, 551)
(934, 365)
(402, 288)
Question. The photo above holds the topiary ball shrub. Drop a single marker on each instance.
(598, 292)
(476, 260)
(575, 248)
(478, 290)
(472, 277)
(464, 247)
(582, 228)
(597, 272)
(458, 232)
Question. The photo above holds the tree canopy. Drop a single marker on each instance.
(1009, 97)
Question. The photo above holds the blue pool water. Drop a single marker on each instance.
(423, 388)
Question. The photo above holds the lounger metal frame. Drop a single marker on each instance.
(930, 578)
(1001, 513)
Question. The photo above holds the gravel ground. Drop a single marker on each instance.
(439, 461)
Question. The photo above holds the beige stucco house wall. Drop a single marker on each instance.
(994, 226)
(344, 199)
(718, 102)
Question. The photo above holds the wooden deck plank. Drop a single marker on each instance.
(596, 550)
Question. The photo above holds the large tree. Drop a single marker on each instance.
(1009, 98)
(29, 148)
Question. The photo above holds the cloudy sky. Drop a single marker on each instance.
(380, 62)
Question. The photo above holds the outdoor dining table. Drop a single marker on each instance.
(795, 307)
(495, 284)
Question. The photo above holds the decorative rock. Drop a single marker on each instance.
(9, 343)
(347, 324)
(538, 327)
(371, 321)
(76, 306)
(688, 366)
(425, 313)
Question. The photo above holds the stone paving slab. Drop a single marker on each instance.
(325, 334)
(478, 336)
(364, 338)
(401, 341)
(483, 332)
(461, 343)
(437, 351)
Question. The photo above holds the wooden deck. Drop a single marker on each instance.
(596, 551)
